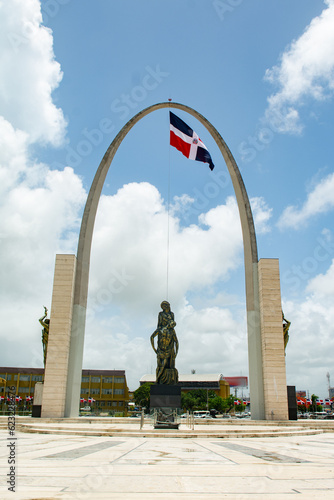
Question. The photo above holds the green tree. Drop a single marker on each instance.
(217, 403)
(229, 403)
(188, 401)
(197, 399)
(141, 396)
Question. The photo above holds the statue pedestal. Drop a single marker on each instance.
(165, 401)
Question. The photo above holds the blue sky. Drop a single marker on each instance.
(72, 74)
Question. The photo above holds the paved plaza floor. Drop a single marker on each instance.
(60, 466)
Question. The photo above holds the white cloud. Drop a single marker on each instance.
(261, 213)
(131, 233)
(306, 70)
(39, 208)
(29, 73)
(131, 237)
(213, 341)
(319, 200)
(108, 347)
(130, 240)
(13, 152)
(35, 223)
(323, 284)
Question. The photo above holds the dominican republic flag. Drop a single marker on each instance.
(183, 138)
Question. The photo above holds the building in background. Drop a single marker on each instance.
(108, 388)
(211, 382)
(238, 385)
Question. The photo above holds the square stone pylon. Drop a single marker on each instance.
(273, 356)
(56, 369)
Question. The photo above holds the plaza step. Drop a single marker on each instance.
(169, 433)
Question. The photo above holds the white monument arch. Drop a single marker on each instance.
(267, 377)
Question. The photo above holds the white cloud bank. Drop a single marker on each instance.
(306, 70)
(130, 241)
(320, 200)
(29, 73)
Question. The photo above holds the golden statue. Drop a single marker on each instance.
(167, 347)
(45, 322)
(286, 326)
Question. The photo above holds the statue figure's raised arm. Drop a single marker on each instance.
(154, 334)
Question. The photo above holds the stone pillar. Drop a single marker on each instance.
(56, 370)
(38, 398)
(273, 357)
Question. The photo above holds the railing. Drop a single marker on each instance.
(190, 420)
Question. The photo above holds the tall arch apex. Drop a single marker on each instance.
(88, 220)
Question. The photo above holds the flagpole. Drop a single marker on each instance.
(168, 203)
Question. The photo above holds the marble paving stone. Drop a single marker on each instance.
(81, 452)
(172, 452)
(263, 455)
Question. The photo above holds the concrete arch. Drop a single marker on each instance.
(83, 264)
